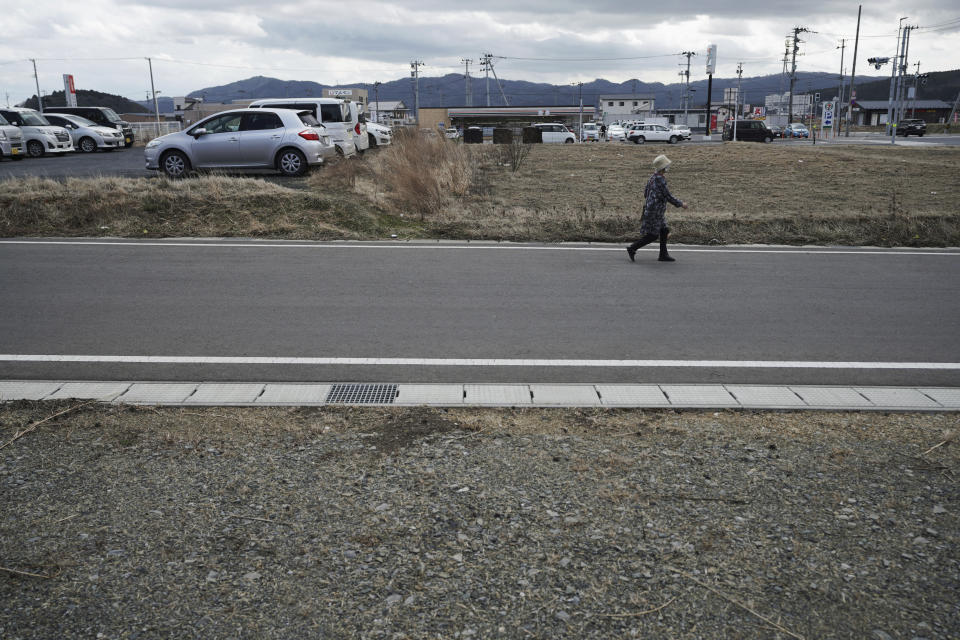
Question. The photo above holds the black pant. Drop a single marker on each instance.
(650, 237)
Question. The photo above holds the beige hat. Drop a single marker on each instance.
(661, 162)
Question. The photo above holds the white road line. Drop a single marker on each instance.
(477, 247)
(479, 362)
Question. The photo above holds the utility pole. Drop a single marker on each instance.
(499, 86)
(686, 89)
(580, 130)
(466, 79)
(783, 74)
(902, 76)
(793, 67)
(917, 76)
(842, 47)
(156, 105)
(953, 111)
(415, 77)
(711, 64)
(891, 114)
(486, 69)
(853, 74)
(376, 98)
(736, 107)
(36, 79)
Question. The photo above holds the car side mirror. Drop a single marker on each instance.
(196, 133)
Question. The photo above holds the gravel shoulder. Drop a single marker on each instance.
(428, 523)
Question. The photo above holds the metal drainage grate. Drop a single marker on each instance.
(362, 394)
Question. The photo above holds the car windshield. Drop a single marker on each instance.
(33, 118)
(80, 120)
(111, 115)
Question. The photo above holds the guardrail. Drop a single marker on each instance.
(144, 132)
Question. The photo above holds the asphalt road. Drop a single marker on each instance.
(729, 315)
(130, 162)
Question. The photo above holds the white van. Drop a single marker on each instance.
(340, 118)
(39, 136)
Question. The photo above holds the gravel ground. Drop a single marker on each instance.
(424, 523)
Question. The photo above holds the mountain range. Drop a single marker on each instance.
(449, 91)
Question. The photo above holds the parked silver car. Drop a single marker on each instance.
(88, 136)
(283, 139)
(11, 141)
(39, 136)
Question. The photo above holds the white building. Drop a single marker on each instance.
(624, 106)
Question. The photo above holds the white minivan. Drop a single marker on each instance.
(39, 136)
(339, 117)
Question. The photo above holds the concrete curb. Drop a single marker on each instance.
(645, 396)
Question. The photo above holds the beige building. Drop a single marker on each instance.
(354, 95)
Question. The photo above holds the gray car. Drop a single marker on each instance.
(287, 140)
(88, 136)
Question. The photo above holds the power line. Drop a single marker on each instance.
(659, 55)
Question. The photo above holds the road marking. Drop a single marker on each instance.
(478, 247)
(479, 362)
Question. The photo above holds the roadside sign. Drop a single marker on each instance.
(69, 90)
(711, 58)
(827, 119)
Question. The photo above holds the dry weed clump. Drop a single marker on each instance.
(424, 173)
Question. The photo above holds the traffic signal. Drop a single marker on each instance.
(816, 97)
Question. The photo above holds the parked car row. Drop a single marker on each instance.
(61, 130)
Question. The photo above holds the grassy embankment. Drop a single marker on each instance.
(431, 188)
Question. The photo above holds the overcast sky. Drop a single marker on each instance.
(201, 43)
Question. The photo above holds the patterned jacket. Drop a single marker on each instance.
(656, 196)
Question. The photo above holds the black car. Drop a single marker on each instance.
(750, 130)
(101, 115)
(912, 127)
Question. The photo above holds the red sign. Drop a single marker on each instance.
(713, 122)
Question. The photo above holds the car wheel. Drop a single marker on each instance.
(175, 165)
(292, 163)
(768, 139)
(87, 145)
(35, 149)
(920, 135)
(373, 140)
(673, 139)
(568, 141)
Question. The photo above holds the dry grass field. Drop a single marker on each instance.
(432, 188)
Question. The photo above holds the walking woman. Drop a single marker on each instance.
(653, 225)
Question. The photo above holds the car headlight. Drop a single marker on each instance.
(3, 136)
(153, 143)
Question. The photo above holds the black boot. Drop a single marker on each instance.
(664, 256)
(645, 240)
